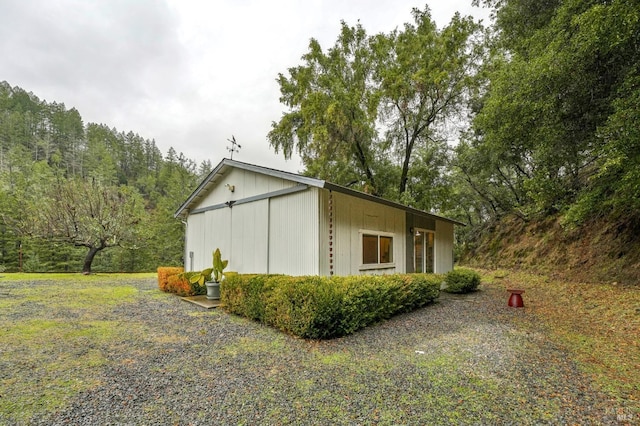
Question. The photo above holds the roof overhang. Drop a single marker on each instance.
(223, 168)
(226, 165)
(333, 187)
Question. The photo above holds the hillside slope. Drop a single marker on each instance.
(599, 251)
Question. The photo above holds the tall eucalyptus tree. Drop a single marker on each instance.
(370, 108)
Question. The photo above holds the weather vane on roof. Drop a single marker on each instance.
(235, 146)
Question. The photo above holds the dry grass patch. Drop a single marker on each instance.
(599, 323)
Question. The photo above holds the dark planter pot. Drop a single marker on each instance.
(213, 290)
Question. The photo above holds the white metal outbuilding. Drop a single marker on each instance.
(271, 221)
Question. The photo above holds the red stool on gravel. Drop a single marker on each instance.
(515, 301)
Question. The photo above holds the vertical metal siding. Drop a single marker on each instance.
(217, 234)
(293, 234)
(342, 234)
(226, 229)
(249, 227)
(444, 247)
(323, 232)
(246, 184)
(354, 214)
(206, 232)
(194, 241)
(289, 234)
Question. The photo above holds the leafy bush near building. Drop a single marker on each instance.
(461, 281)
(316, 307)
(175, 280)
(164, 272)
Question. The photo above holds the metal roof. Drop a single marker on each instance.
(226, 165)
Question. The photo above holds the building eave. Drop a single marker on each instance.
(362, 195)
(223, 167)
(226, 164)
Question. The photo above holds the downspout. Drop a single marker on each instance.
(330, 211)
(184, 254)
(268, 233)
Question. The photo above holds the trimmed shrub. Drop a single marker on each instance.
(308, 307)
(175, 280)
(321, 307)
(179, 285)
(244, 295)
(461, 281)
(164, 272)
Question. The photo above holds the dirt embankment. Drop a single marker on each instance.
(599, 251)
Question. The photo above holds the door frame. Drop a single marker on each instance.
(422, 232)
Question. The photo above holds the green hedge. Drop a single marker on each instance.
(461, 281)
(315, 307)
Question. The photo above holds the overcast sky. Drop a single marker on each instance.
(188, 74)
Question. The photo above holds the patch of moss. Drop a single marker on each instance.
(53, 333)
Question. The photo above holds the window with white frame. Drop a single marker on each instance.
(377, 248)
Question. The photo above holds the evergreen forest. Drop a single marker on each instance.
(69, 190)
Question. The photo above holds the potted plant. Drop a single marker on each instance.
(211, 277)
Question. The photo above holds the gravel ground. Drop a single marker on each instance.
(464, 360)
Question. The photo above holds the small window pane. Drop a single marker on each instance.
(418, 249)
(386, 249)
(369, 249)
(430, 254)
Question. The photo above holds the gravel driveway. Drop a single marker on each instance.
(464, 360)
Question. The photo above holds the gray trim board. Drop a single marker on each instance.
(251, 199)
(209, 208)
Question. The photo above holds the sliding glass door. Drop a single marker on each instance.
(423, 252)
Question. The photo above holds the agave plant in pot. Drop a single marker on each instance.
(211, 277)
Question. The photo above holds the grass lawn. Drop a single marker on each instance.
(54, 326)
(79, 278)
(60, 333)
